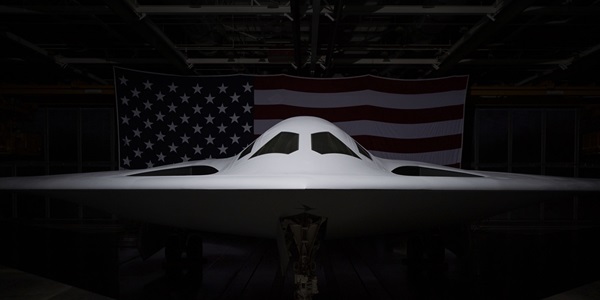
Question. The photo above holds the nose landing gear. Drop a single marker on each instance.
(300, 238)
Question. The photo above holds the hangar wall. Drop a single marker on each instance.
(40, 140)
(552, 135)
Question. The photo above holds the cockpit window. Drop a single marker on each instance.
(325, 142)
(363, 151)
(284, 142)
(247, 150)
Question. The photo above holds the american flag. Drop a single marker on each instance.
(164, 119)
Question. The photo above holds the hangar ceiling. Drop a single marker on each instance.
(517, 43)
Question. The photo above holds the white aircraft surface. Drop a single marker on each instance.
(302, 164)
(300, 180)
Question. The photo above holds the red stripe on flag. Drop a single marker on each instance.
(342, 114)
(410, 145)
(337, 85)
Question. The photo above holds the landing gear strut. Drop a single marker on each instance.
(304, 231)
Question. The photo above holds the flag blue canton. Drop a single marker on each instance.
(165, 119)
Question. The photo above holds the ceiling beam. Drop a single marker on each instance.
(296, 36)
(477, 35)
(568, 10)
(580, 62)
(511, 62)
(314, 37)
(418, 10)
(387, 61)
(54, 10)
(57, 59)
(246, 60)
(508, 62)
(495, 91)
(563, 10)
(76, 89)
(352, 9)
(257, 9)
(337, 17)
(151, 34)
(485, 91)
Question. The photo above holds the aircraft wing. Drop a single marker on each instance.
(286, 174)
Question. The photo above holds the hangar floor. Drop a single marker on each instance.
(504, 263)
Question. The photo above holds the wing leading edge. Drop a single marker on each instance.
(302, 162)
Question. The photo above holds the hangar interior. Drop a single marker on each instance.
(532, 107)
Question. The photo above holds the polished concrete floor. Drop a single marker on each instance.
(501, 263)
(18, 285)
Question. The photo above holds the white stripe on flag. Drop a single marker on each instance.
(381, 129)
(444, 158)
(358, 98)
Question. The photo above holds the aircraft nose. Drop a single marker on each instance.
(306, 164)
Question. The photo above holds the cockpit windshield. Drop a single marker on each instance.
(284, 142)
(287, 142)
(363, 151)
(325, 143)
(247, 150)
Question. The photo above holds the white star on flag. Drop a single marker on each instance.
(136, 112)
(197, 89)
(137, 133)
(209, 139)
(185, 98)
(184, 119)
(197, 128)
(148, 123)
(184, 139)
(125, 100)
(222, 128)
(135, 93)
(209, 98)
(222, 149)
(247, 87)
(209, 119)
(223, 88)
(197, 109)
(197, 149)
(161, 157)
